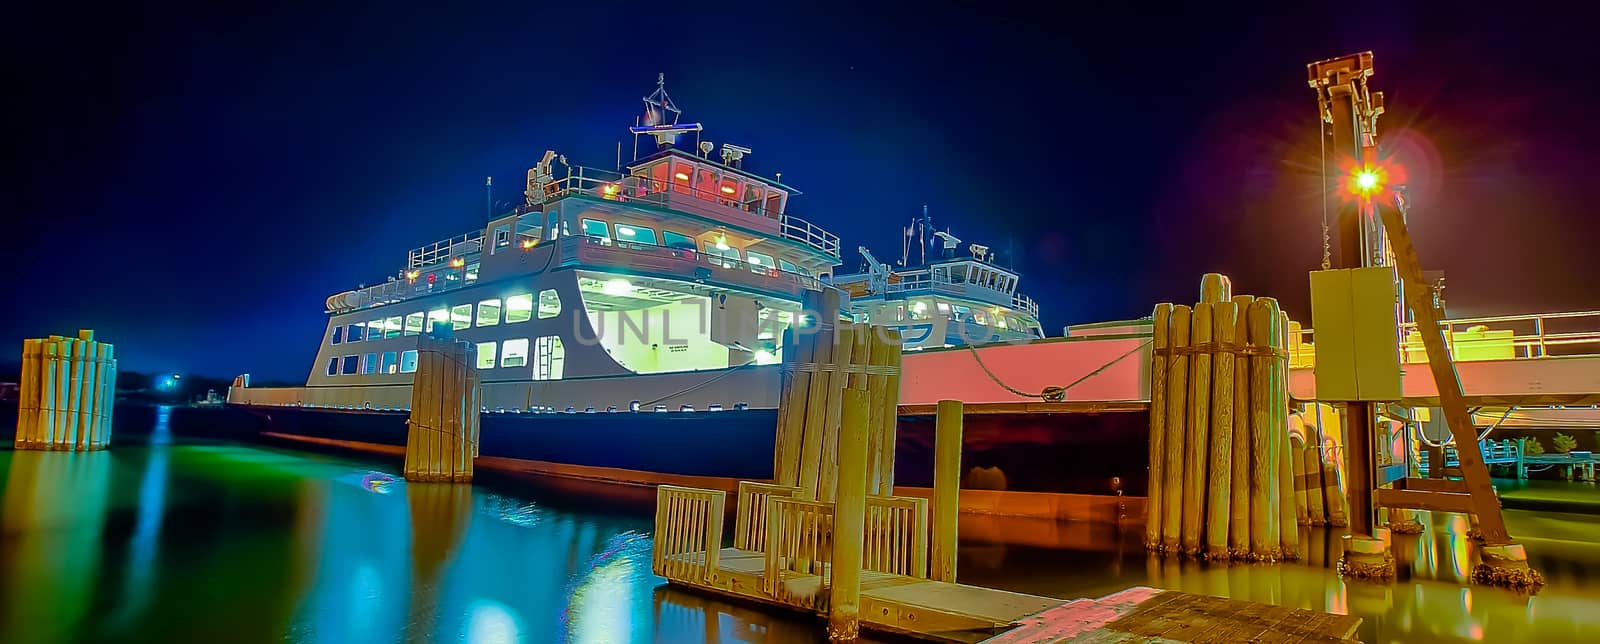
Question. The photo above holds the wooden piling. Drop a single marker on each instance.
(1215, 287)
(799, 351)
(1297, 463)
(946, 489)
(844, 357)
(1288, 526)
(1197, 453)
(1239, 510)
(66, 393)
(1219, 505)
(1265, 492)
(1160, 356)
(884, 396)
(1177, 419)
(443, 424)
(816, 412)
(849, 510)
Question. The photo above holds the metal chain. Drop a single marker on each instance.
(1322, 138)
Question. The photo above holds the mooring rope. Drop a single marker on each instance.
(1051, 394)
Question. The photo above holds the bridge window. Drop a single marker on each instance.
(519, 308)
(549, 304)
(596, 228)
(408, 361)
(549, 358)
(677, 240)
(333, 366)
(730, 256)
(461, 316)
(502, 236)
(919, 310)
(438, 317)
(390, 363)
(789, 266)
(760, 262)
(636, 234)
(391, 327)
(338, 336)
(515, 353)
(486, 355)
(349, 364)
(353, 332)
(488, 313)
(414, 323)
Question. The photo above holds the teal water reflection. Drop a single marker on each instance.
(224, 543)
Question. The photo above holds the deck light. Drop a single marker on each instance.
(616, 286)
(722, 242)
(763, 356)
(458, 262)
(609, 189)
(681, 176)
(529, 243)
(727, 190)
(412, 275)
(920, 307)
(1367, 180)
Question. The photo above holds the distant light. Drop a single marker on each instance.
(722, 242)
(681, 176)
(727, 190)
(617, 286)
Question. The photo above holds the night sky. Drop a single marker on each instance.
(194, 183)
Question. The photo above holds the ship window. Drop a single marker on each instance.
(333, 366)
(369, 363)
(461, 316)
(472, 272)
(391, 327)
(549, 304)
(353, 333)
(515, 354)
(519, 308)
(919, 310)
(789, 266)
(730, 256)
(636, 234)
(486, 355)
(549, 358)
(349, 364)
(390, 363)
(596, 228)
(677, 240)
(414, 323)
(759, 262)
(943, 308)
(980, 318)
(438, 317)
(375, 330)
(408, 361)
(488, 312)
(338, 335)
(502, 235)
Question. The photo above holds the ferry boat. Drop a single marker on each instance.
(663, 286)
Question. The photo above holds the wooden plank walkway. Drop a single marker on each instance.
(1144, 614)
(949, 612)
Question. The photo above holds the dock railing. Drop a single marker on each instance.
(896, 536)
(750, 519)
(799, 539)
(688, 535)
(1501, 337)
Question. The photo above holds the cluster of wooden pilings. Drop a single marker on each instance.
(1221, 477)
(68, 390)
(821, 363)
(442, 432)
(1319, 493)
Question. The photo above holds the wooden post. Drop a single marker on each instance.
(1219, 505)
(849, 513)
(444, 410)
(1160, 355)
(844, 357)
(816, 412)
(798, 349)
(890, 428)
(27, 398)
(1265, 501)
(50, 400)
(1197, 453)
(1288, 512)
(1297, 462)
(946, 489)
(881, 352)
(1177, 418)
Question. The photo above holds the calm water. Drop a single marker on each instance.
(230, 543)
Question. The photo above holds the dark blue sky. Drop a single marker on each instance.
(194, 183)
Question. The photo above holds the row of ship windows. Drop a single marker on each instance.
(646, 236)
(516, 308)
(549, 356)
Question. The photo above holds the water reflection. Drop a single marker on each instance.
(224, 543)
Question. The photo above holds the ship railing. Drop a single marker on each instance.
(1502, 337)
(571, 244)
(611, 186)
(404, 288)
(441, 251)
(688, 536)
(1022, 302)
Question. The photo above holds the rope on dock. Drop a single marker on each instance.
(1052, 394)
